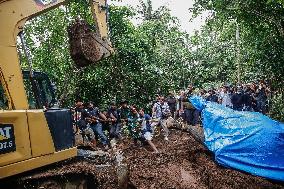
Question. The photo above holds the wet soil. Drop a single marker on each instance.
(182, 163)
(185, 163)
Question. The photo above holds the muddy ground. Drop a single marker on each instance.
(185, 163)
(182, 163)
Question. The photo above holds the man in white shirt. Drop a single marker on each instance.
(225, 97)
(161, 112)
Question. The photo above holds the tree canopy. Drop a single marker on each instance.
(155, 56)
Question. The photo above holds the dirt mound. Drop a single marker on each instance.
(185, 163)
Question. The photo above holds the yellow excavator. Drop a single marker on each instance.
(31, 136)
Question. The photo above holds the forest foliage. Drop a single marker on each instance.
(155, 56)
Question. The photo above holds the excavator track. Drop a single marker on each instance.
(90, 170)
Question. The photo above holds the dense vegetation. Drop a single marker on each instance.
(155, 56)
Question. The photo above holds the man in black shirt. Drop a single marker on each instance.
(212, 96)
(248, 100)
(261, 98)
(124, 112)
(238, 100)
(114, 116)
(82, 120)
(172, 102)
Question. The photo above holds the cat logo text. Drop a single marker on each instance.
(7, 138)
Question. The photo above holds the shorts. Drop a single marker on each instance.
(148, 135)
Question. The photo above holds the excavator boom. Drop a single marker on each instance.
(13, 15)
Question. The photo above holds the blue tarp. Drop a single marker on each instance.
(248, 141)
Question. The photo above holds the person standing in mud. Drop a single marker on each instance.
(190, 112)
(114, 118)
(87, 131)
(180, 109)
(124, 113)
(161, 112)
(96, 124)
(79, 107)
(172, 102)
(106, 123)
(81, 120)
(133, 125)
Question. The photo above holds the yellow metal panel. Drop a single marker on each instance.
(100, 18)
(13, 80)
(14, 11)
(33, 163)
(40, 136)
(23, 151)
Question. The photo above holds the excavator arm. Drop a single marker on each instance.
(32, 138)
(13, 16)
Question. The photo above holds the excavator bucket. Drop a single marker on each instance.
(86, 46)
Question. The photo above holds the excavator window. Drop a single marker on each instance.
(43, 90)
(3, 99)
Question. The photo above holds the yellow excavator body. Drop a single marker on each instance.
(32, 138)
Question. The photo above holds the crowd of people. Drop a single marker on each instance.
(245, 97)
(123, 120)
(115, 123)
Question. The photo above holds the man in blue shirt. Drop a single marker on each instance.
(96, 125)
(82, 119)
(147, 131)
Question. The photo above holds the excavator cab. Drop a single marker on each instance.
(59, 120)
